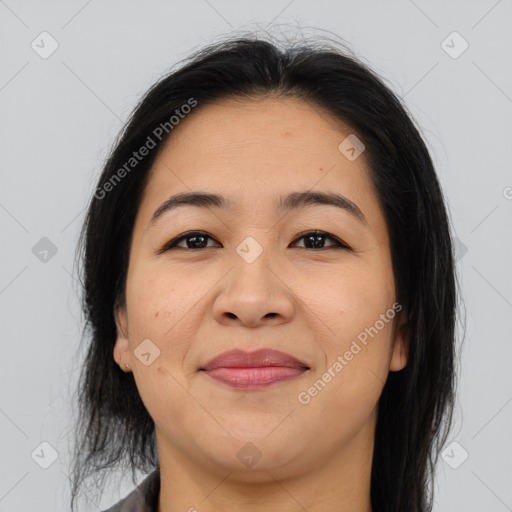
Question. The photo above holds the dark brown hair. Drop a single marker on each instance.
(415, 408)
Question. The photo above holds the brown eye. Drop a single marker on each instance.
(197, 240)
(192, 239)
(316, 239)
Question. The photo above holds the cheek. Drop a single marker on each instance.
(345, 393)
(163, 394)
(359, 311)
(355, 302)
(364, 343)
(157, 306)
(157, 289)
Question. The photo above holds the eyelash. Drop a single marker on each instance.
(173, 243)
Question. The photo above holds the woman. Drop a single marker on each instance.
(270, 290)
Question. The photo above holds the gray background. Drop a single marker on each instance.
(59, 116)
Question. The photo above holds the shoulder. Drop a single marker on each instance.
(144, 498)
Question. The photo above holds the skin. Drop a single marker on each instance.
(194, 304)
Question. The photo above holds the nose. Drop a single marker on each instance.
(254, 294)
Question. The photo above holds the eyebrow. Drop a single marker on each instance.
(292, 201)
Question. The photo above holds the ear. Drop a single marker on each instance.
(122, 345)
(400, 351)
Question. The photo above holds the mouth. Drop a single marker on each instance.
(254, 370)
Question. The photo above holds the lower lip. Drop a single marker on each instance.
(254, 378)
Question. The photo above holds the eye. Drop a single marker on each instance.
(197, 240)
(317, 240)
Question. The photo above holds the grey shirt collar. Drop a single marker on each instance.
(144, 498)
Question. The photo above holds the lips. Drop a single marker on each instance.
(257, 359)
(253, 370)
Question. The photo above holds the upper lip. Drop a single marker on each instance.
(257, 359)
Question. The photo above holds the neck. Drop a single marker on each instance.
(339, 481)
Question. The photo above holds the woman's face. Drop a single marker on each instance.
(259, 279)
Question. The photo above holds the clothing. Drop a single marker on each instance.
(144, 498)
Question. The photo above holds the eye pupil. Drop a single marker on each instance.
(199, 240)
(196, 238)
(314, 239)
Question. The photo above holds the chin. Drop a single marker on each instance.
(255, 461)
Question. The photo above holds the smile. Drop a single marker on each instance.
(254, 378)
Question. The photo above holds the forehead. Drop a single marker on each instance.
(255, 151)
(253, 127)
